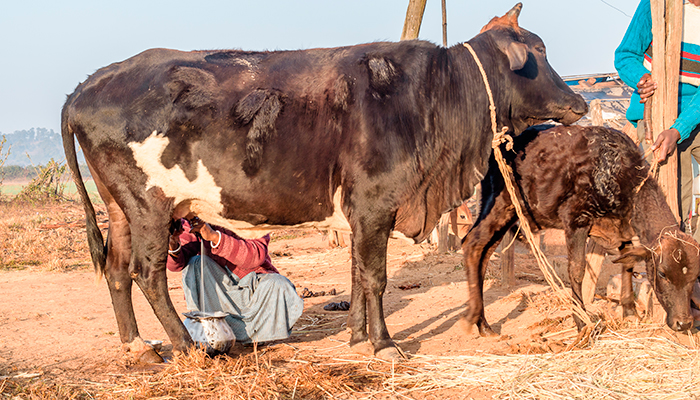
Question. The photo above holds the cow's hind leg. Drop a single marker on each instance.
(119, 281)
(149, 247)
(369, 247)
(478, 246)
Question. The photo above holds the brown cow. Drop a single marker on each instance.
(589, 182)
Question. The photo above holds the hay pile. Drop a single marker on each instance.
(615, 367)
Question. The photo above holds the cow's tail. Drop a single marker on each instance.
(98, 251)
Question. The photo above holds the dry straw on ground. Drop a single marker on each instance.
(615, 367)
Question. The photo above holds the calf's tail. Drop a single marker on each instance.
(98, 250)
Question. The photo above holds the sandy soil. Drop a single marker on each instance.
(61, 324)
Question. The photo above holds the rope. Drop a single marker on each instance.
(653, 170)
(548, 271)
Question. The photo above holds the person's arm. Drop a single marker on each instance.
(689, 118)
(245, 253)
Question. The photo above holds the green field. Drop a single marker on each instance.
(13, 189)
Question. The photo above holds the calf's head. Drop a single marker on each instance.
(537, 93)
(672, 269)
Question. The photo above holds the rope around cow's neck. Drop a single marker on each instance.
(547, 270)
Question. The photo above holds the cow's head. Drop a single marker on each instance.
(672, 268)
(537, 93)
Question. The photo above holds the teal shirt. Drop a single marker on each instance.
(629, 59)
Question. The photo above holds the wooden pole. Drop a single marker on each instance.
(508, 260)
(414, 18)
(667, 25)
(444, 23)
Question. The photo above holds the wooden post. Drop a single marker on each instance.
(414, 18)
(508, 260)
(596, 113)
(443, 232)
(444, 23)
(667, 26)
(595, 255)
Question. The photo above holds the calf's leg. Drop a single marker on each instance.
(576, 249)
(629, 309)
(479, 244)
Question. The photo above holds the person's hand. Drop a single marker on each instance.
(665, 144)
(646, 88)
(174, 240)
(204, 230)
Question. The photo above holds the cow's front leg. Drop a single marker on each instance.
(147, 268)
(369, 246)
(357, 317)
(576, 248)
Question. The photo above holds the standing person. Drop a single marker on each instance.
(633, 63)
(239, 279)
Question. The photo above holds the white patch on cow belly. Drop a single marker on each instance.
(173, 181)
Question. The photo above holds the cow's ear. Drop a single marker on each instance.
(634, 254)
(517, 55)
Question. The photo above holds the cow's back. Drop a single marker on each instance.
(276, 132)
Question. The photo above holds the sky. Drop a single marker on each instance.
(48, 47)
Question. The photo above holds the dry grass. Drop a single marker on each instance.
(38, 237)
(273, 373)
(617, 366)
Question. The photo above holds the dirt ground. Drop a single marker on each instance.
(60, 325)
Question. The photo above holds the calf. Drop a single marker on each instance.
(588, 181)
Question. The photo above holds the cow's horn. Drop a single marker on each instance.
(514, 13)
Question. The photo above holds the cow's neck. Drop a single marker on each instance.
(651, 215)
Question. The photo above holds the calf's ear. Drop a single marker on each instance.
(633, 254)
(517, 55)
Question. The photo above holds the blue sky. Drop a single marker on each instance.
(49, 46)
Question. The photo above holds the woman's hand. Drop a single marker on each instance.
(174, 240)
(204, 230)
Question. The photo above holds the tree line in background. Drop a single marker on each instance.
(46, 183)
(18, 173)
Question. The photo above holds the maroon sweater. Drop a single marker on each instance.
(241, 256)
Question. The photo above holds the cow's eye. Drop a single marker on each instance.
(662, 275)
(541, 49)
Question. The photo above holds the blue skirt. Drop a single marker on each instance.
(261, 307)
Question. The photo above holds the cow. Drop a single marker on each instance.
(369, 138)
(588, 181)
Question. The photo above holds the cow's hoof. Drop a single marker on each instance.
(391, 353)
(142, 352)
(150, 356)
(486, 331)
(364, 348)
